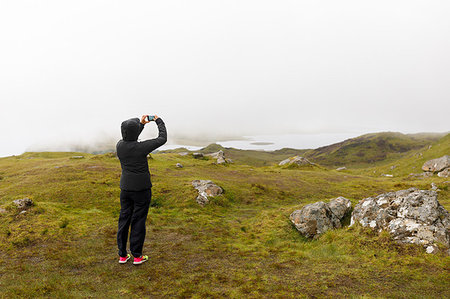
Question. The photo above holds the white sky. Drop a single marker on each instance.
(71, 71)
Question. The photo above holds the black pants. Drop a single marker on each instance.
(133, 211)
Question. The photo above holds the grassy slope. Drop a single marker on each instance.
(240, 245)
(370, 148)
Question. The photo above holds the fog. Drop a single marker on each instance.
(71, 72)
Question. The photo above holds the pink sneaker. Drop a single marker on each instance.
(140, 260)
(123, 260)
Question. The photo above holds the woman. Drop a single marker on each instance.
(135, 185)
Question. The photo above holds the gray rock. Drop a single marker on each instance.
(410, 216)
(23, 203)
(179, 165)
(319, 217)
(421, 175)
(341, 168)
(206, 188)
(437, 165)
(297, 160)
(220, 156)
(340, 207)
(444, 173)
(387, 175)
(77, 157)
(197, 155)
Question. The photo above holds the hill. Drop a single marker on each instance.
(370, 148)
(240, 245)
(361, 151)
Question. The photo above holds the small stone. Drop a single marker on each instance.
(206, 188)
(341, 168)
(387, 175)
(434, 187)
(22, 212)
(179, 165)
(431, 249)
(444, 173)
(77, 157)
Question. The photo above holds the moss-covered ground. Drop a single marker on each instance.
(240, 245)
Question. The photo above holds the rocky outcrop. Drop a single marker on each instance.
(410, 216)
(23, 203)
(296, 160)
(319, 217)
(197, 155)
(220, 156)
(437, 165)
(206, 188)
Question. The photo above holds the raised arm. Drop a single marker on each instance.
(152, 144)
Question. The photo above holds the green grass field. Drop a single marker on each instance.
(240, 245)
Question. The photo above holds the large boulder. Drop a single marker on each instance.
(206, 188)
(437, 165)
(296, 160)
(410, 216)
(315, 219)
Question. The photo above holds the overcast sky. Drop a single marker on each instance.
(73, 70)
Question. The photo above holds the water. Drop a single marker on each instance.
(274, 142)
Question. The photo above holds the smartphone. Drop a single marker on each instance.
(150, 117)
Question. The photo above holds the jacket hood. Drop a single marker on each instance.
(130, 129)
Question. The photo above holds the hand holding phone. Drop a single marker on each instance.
(150, 117)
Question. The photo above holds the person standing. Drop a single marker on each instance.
(135, 185)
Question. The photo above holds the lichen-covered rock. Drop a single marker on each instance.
(315, 219)
(23, 203)
(296, 160)
(410, 216)
(206, 188)
(437, 165)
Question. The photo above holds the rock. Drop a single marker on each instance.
(431, 249)
(341, 168)
(437, 165)
(434, 187)
(183, 153)
(220, 156)
(77, 157)
(421, 175)
(315, 219)
(393, 167)
(340, 207)
(23, 203)
(197, 155)
(206, 188)
(229, 161)
(22, 212)
(297, 160)
(410, 216)
(387, 175)
(444, 173)
(179, 165)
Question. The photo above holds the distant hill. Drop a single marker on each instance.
(359, 151)
(370, 148)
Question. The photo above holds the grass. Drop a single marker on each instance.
(239, 245)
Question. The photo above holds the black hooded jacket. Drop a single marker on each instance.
(133, 154)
